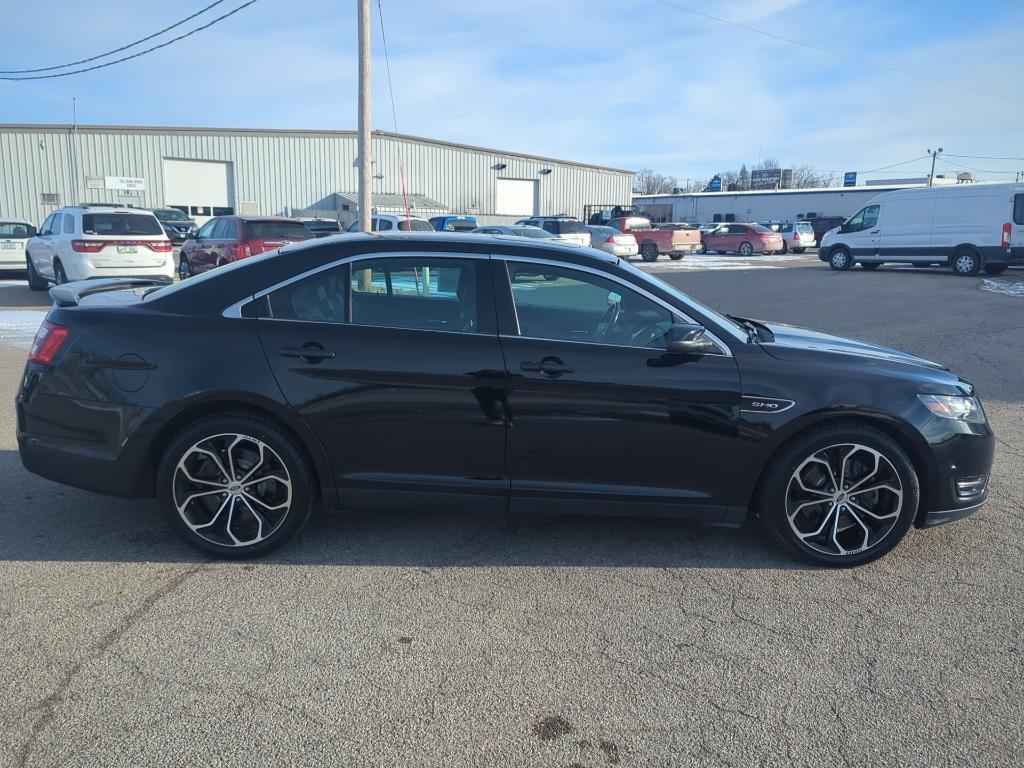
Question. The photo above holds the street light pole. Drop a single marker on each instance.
(364, 152)
(935, 154)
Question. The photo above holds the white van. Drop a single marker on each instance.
(968, 227)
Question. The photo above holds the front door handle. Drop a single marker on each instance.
(549, 366)
(311, 352)
(874, 231)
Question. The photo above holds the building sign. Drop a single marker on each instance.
(770, 178)
(125, 183)
(716, 184)
(850, 179)
(94, 182)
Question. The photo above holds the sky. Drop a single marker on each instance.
(624, 83)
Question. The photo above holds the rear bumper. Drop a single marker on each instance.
(685, 248)
(81, 269)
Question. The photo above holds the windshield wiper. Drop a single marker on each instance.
(755, 331)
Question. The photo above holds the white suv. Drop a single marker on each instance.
(14, 233)
(386, 222)
(564, 228)
(85, 241)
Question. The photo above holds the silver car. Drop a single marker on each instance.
(516, 230)
(610, 240)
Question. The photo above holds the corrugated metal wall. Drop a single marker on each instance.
(282, 170)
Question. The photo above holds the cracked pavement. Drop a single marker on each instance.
(448, 639)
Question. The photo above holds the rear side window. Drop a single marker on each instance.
(69, 224)
(117, 224)
(417, 293)
(16, 229)
(321, 298)
(1018, 209)
(230, 231)
(415, 225)
(277, 230)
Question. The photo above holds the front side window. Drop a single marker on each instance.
(207, 229)
(863, 219)
(383, 225)
(565, 304)
(1018, 209)
(46, 225)
(278, 230)
(419, 293)
(870, 216)
(219, 229)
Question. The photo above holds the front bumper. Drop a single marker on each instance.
(963, 455)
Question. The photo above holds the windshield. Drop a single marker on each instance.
(277, 230)
(418, 225)
(170, 214)
(118, 224)
(636, 222)
(16, 229)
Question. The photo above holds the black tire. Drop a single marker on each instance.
(869, 265)
(745, 250)
(996, 269)
(675, 256)
(780, 493)
(184, 268)
(36, 282)
(799, 250)
(59, 275)
(966, 262)
(704, 247)
(839, 259)
(281, 455)
(649, 252)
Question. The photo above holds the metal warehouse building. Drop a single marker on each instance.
(779, 205)
(211, 171)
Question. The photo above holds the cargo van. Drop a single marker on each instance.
(968, 227)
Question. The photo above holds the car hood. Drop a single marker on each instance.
(790, 339)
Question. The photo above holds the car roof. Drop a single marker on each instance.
(107, 209)
(15, 220)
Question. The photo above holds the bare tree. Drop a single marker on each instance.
(647, 182)
(768, 164)
(805, 177)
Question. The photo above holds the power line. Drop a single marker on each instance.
(134, 55)
(985, 157)
(110, 53)
(965, 20)
(846, 56)
(895, 165)
(979, 170)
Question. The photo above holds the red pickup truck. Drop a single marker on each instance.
(673, 240)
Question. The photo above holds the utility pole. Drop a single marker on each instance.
(935, 154)
(365, 158)
(74, 151)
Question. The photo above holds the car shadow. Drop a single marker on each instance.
(44, 521)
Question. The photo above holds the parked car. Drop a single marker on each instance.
(822, 224)
(744, 239)
(435, 374)
(796, 236)
(224, 239)
(454, 223)
(518, 231)
(676, 242)
(564, 228)
(81, 242)
(386, 222)
(176, 224)
(321, 227)
(969, 227)
(610, 240)
(14, 234)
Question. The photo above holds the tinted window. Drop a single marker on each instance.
(420, 293)
(415, 225)
(458, 225)
(321, 298)
(230, 231)
(277, 230)
(16, 229)
(170, 214)
(571, 227)
(570, 305)
(383, 225)
(737, 229)
(219, 229)
(69, 224)
(551, 226)
(207, 229)
(120, 224)
(1018, 209)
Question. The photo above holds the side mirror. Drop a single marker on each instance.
(688, 339)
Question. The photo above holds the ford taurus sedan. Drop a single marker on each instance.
(492, 374)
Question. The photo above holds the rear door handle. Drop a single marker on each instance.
(549, 366)
(311, 352)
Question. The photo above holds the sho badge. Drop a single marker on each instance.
(765, 405)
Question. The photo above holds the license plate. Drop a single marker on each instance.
(10, 246)
(127, 249)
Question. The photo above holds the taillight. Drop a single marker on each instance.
(610, 240)
(1007, 229)
(87, 246)
(160, 246)
(49, 339)
(247, 251)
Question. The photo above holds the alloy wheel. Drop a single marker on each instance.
(232, 490)
(965, 264)
(844, 499)
(746, 249)
(839, 260)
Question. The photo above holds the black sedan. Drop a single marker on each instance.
(489, 374)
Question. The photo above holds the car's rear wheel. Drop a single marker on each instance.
(869, 265)
(234, 486)
(840, 259)
(785, 247)
(799, 250)
(59, 275)
(649, 252)
(966, 262)
(840, 496)
(184, 268)
(746, 249)
(35, 281)
(996, 269)
(704, 247)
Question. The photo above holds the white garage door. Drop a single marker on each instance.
(516, 197)
(203, 186)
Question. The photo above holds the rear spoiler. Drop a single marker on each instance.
(69, 294)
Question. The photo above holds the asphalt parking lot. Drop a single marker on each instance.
(406, 639)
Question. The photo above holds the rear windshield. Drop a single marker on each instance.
(570, 227)
(604, 231)
(322, 226)
(637, 222)
(415, 225)
(120, 224)
(804, 226)
(459, 225)
(16, 229)
(170, 214)
(532, 232)
(277, 230)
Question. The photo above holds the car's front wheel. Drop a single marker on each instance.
(234, 486)
(840, 259)
(840, 496)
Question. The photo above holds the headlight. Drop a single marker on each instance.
(954, 407)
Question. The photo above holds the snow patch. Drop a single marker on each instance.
(18, 327)
(1006, 287)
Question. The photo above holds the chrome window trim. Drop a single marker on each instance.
(676, 311)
